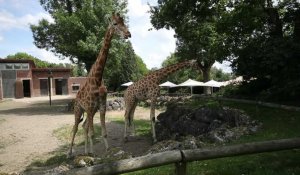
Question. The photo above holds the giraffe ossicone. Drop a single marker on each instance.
(92, 95)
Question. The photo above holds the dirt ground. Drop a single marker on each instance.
(26, 131)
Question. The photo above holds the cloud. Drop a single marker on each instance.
(154, 45)
(45, 55)
(225, 66)
(1, 38)
(9, 21)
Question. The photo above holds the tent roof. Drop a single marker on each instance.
(213, 83)
(167, 84)
(191, 82)
(127, 84)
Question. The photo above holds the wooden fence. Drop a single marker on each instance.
(181, 157)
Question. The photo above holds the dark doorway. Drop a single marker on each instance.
(26, 88)
(58, 86)
(44, 87)
(61, 86)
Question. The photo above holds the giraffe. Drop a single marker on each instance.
(148, 88)
(93, 92)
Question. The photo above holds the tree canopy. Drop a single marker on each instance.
(194, 23)
(77, 33)
(263, 39)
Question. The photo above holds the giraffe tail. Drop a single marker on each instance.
(81, 118)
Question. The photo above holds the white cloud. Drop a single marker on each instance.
(153, 46)
(45, 55)
(9, 21)
(1, 38)
(225, 66)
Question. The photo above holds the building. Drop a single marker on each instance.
(21, 78)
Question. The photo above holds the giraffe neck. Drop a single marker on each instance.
(96, 71)
(162, 73)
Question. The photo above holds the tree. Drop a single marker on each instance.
(78, 28)
(77, 33)
(194, 23)
(263, 37)
(38, 63)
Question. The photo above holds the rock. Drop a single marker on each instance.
(217, 125)
(83, 161)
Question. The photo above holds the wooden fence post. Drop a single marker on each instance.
(180, 168)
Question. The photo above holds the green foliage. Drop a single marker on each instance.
(77, 33)
(194, 23)
(38, 63)
(264, 41)
(184, 74)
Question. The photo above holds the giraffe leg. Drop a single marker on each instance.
(103, 99)
(152, 119)
(85, 129)
(126, 125)
(90, 131)
(78, 112)
(131, 116)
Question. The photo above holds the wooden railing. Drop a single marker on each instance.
(181, 157)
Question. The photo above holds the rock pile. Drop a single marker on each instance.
(216, 125)
(114, 104)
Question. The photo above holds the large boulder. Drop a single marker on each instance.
(214, 124)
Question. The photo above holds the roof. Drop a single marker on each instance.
(17, 61)
(168, 84)
(191, 82)
(51, 69)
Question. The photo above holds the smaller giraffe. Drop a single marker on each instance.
(148, 88)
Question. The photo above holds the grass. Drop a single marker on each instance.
(64, 134)
(277, 124)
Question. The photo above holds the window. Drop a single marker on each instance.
(25, 66)
(17, 66)
(9, 66)
(75, 87)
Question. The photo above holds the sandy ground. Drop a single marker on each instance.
(26, 128)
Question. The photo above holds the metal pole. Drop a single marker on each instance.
(49, 88)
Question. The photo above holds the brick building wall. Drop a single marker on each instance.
(75, 83)
(40, 76)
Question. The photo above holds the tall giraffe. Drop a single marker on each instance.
(148, 88)
(93, 93)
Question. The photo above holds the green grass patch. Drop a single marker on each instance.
(277, 124)
(142, 127)
(64, 134)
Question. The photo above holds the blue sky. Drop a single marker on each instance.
(15, 35)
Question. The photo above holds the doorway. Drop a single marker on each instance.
(61, 86)
(44, 87)
(26, 88)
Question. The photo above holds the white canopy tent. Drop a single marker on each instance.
(168, 84)
(127, 84)
(191, 83)
(213, 83)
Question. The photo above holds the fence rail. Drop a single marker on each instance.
(181, 157)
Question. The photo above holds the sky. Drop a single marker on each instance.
(15, 34)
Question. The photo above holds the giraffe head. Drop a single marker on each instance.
(118, 23)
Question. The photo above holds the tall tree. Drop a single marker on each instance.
(194, 23)
(263, 37)
(78, 28)
(77, 34)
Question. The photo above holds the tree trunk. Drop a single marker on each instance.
(206, 77)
